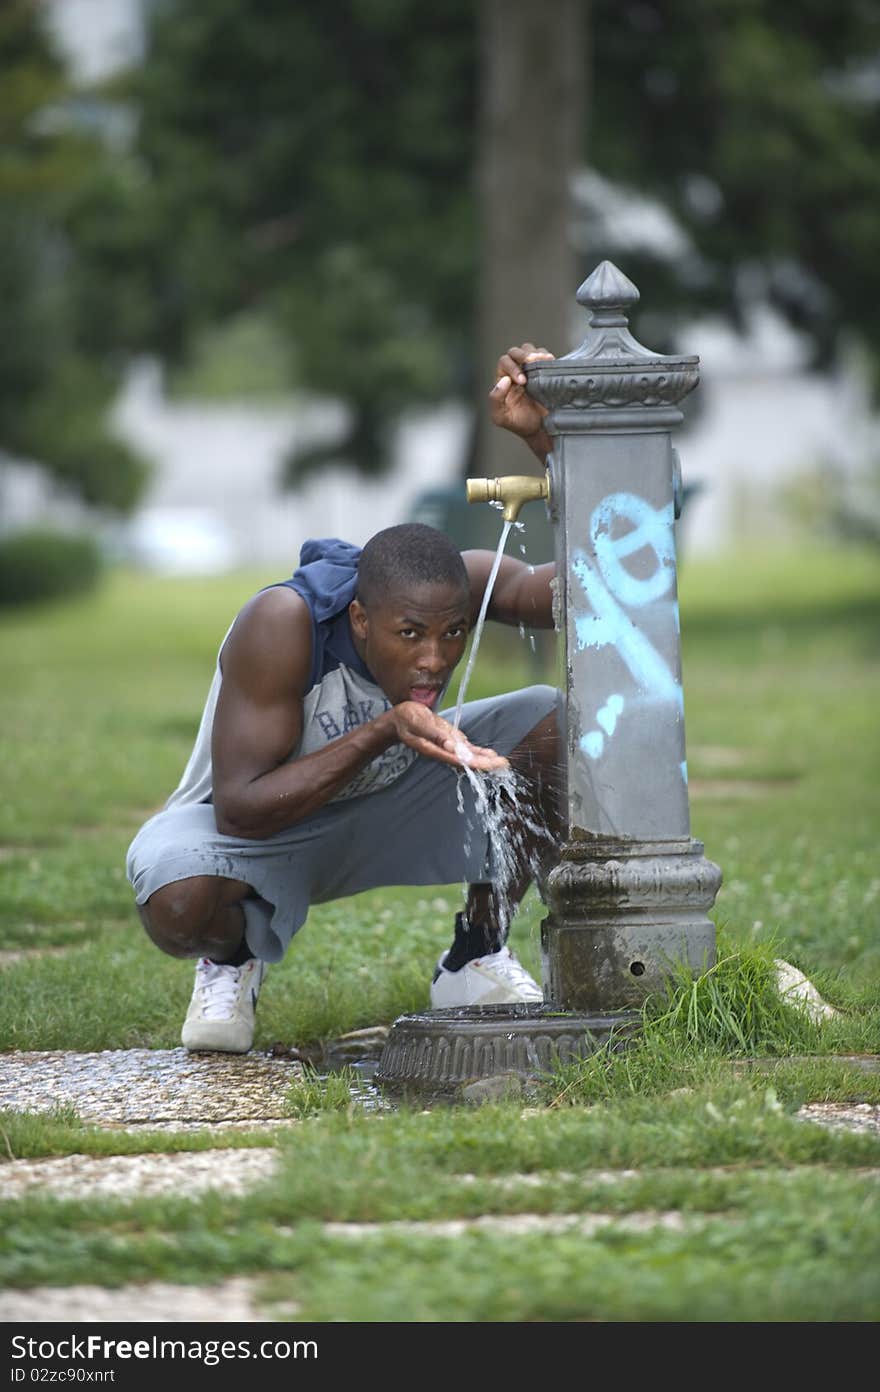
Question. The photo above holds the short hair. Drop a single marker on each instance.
(409, 554)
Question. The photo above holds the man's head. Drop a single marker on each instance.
(411, 617)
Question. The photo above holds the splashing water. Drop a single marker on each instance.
(502, 798)
(503, 805)
(475, 645)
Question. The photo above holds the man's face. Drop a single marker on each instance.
(412, 640)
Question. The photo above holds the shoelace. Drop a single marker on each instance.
(218, 987)
(505, 964)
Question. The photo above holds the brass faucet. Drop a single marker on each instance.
(513, 491)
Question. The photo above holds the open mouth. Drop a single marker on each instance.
(425, 695)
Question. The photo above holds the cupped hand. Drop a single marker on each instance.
(511, 406)
(431, 735)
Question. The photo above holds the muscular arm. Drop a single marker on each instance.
(266, 663)
(521, 595)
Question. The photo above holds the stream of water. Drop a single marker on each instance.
(501, 798)
(475, 645)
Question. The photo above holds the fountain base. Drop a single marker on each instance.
(434, 1055)
(626, 917)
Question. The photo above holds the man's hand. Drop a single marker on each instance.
(511, 406)
(429, 734)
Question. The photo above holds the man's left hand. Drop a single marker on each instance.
(431, 735)
(511, 406)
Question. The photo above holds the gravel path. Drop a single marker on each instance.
(136, 1176)
(121, 1086)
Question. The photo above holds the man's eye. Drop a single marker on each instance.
(455, 633)
(407, 633)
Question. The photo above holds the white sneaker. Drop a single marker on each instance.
(496, 979)
(221, 1012)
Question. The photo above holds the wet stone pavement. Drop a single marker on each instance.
(172, 1089)
(150, 1087)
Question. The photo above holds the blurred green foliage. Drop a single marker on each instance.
(314, 168)
(38, 565)
(758, 129)
(315, 163)
(54, 388)
(319, 165)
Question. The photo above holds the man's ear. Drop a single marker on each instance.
(358, 616)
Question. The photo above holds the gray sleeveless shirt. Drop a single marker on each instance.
(342, 695)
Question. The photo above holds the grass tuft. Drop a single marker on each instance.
(688, 1035)
(734, 1007)
(315, 1093)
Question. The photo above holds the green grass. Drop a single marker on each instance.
(749, 1183)
(818, 1267)
(313, 1093)
(99, 704)
(40, 1135)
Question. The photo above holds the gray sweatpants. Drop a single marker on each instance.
(412, 832)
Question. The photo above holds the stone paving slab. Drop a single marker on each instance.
(138, 1176)
(866, 1063)
(172, 1089)
(120, 1086)
(525, 1224)
(191, 1173)
(540, 1179)
(843, 1116)
(151, 1302)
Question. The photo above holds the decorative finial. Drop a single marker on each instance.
(610, 369)
(608, 293)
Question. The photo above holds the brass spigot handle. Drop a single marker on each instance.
(512, 490)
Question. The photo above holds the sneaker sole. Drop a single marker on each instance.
(202, 1040)
(497, 997)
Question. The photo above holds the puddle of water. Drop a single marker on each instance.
(365, 1092)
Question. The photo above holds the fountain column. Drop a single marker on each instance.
(631, 891)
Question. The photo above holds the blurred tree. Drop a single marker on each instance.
(314, 164)
(759, 129)
(54, 392)
(317, 165)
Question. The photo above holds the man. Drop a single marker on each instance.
(322, 767)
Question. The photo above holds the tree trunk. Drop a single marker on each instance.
(534, 74)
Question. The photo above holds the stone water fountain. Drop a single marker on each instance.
(629, 896)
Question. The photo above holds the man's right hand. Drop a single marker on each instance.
(429, 734)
